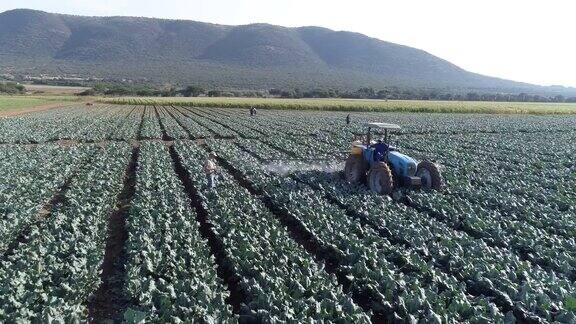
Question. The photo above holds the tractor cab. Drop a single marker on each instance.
(375, 130)
(377, 134)
(375, 160)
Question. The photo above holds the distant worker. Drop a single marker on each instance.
(380, 150)
(210, 170)
(348, 119)
(252, 111)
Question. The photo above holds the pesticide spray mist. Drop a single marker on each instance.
(286, 167)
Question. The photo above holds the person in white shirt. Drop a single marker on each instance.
(210, 170)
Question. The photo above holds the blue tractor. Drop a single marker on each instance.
(382, 167)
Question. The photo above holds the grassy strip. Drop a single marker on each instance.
(16, 102)
(359, 105)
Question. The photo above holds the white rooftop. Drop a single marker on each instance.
(382, 125)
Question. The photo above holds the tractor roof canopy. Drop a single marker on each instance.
(383, 126)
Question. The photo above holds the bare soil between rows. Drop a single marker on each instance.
(109, 301)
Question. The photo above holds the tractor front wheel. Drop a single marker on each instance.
(355, 169)
(430, 175)
(380, 179)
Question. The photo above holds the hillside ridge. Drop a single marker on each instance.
(256, 56)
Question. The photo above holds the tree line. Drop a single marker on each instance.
(393, 93)
(417, 94)
(11, 88)
(142, 90)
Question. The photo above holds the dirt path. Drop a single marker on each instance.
(109, 301)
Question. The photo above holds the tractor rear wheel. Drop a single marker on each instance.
(430, 175)
(355, 169)
(380, 179)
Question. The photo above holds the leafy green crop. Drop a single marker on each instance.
(51, 276)
(284, 238)
(30, 177)
(420, 231)
(171, 274)
(283, 282)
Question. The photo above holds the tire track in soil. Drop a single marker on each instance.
(224, 267)
(328, 256)
(109, 301)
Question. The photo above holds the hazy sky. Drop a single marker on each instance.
(523, 40)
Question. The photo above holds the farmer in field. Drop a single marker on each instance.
(252, 111)
(210, 170)
(380, 150)
(348, 119)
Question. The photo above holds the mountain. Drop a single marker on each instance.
(257, 56)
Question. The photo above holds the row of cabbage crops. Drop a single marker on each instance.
(106, 215)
